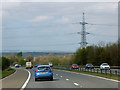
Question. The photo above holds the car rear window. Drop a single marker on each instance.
(89, 65)
(105, 64)
(43, 68)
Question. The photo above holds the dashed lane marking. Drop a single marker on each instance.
(76, 84)
(67, 79)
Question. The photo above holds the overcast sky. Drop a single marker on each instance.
(39, 26)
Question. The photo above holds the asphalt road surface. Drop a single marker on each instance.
(64, 79)
(16, 80)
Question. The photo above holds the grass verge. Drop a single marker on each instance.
(109, 76)
(6, 73)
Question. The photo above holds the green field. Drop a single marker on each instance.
(6, 73)
(109, 76)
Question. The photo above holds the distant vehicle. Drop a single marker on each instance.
(50, 64)
(89, 66)
(104, 66)
(17, 66)
(75, 66)
(43, 72)
(29, 65)
(35, 65)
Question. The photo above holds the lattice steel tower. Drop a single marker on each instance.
(83, 33)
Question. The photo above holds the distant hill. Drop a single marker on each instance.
(35, 54)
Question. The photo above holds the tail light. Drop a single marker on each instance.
(36, 70)
(50, 70)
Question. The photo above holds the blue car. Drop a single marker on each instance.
(43, 72)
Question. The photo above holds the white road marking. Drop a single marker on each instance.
(76, 84)
(26, 82)
(61, 76)
(67, 79)
(56, 74)
(94, 76)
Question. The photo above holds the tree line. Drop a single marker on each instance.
(97, 54)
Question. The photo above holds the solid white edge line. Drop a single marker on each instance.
(26, 82)
(94, 76)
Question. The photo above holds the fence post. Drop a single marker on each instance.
(101, 70)
(116, 73)
(110, 73)
(91, 69)
(106, 71)
(97, 70)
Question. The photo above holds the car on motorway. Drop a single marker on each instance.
(75, 66)
(29, 65)
(17, 66)
(35, 65)
(104, 66)
(43, 72)
(89, 66)
(50, 64)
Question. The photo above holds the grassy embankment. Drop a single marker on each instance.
(109, 76)
(6, 73)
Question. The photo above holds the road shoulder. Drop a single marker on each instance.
(16, 80)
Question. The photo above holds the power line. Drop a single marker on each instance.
(83, 32)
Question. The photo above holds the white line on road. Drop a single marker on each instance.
(76, 84)
(56, 74)
(26, 82)
(67, 79)
(61, 76)
(93, 76)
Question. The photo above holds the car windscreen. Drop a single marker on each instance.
(105, 64)
(89, 65)
(43, 68)
(75, 65)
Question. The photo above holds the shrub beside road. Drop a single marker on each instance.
(6, 73)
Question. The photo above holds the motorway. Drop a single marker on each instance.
(62, 79)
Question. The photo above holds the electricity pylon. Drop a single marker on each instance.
(83, 33)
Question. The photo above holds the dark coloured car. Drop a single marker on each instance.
(75, 66)
(89, 66)
(35, 65)
(17, 66)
